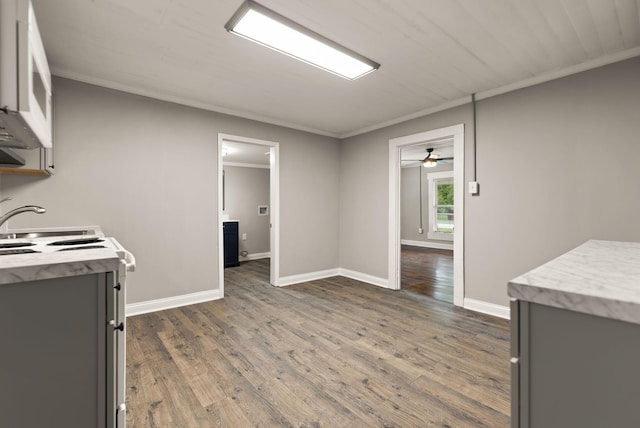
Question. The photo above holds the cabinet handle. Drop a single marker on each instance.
(117, 327)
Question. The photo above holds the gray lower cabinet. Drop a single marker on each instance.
(571, 369)
(56, 354)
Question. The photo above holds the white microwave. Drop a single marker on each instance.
(25, 79)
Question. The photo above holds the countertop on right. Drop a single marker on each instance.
(599, 277)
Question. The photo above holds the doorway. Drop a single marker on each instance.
(267, 149)
(426, 221)
(454, 133)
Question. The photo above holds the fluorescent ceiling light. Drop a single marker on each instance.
(264, 26)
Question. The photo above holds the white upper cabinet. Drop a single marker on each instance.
(25, 79)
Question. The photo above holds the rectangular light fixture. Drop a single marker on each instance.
(268, 28)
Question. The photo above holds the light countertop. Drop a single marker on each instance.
(49, 262)
(599, 278)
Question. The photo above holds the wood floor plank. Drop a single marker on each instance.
(246, 396)
(333, 352)
(194, 369)
(171, 401)
(427, 271)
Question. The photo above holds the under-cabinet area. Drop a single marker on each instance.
(575, 340)
(27, 161)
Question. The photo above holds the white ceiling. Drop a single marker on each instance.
(442, 148)
(433, 53)
(244, 154)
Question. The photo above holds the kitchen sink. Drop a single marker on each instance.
(17, 251)
(16, 244)
(45, 234)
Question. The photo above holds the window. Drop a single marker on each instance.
(441, 208)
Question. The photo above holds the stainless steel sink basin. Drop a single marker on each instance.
(46, 234)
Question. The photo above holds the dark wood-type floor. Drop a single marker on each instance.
(427, 271)
(331, 353)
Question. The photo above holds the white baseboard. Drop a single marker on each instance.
(424, 244)
(140, 308)
(204, 296)
(487, 308)
(256, 256)
(359, 276)
(312, 276)
(304, 277)
(171, 302)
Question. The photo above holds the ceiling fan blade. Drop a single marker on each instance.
(444, 159)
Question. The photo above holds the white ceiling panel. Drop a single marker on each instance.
(432, 52)
(245, 154)
(442, 148)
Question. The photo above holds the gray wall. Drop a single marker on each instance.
(245, 189)
(557, 165)
(146, 171)
(410, 203)
(364, 190)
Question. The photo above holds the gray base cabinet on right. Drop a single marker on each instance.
(571, 369)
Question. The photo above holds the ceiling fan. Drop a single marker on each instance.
(430, 161)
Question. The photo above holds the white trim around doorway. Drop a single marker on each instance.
(395, 145)
(274, 202)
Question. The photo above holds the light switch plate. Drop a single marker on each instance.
(474, 187)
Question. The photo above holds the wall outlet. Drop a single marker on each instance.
(474, 187)
(244, 236)
(420, 230)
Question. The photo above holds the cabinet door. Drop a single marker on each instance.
(52, 370)
(583, 370)
(519, 364)
(111, 328)
(231, 245)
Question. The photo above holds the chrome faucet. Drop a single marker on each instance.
(27, 208)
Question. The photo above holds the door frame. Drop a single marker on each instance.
(395, 146)
(274, 202)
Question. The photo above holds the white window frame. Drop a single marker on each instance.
(432, 179)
